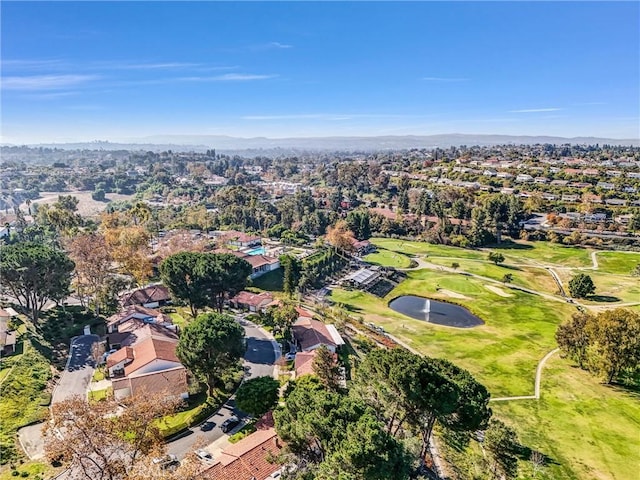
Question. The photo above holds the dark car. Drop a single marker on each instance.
(229, 424)
(206, 426)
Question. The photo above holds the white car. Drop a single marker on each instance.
(204, 455)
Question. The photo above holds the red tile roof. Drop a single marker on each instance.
(149, 350)
(248, 459)
(310, 333)
(253, 299)
(171, 381)
(304, 363)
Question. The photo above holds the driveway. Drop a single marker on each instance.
(75, 379)
(262, 352)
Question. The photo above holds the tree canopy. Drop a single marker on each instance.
(606, 343)
(581, 286)
(336, 436)
(204, 279)
(34, 274)
(258, 395)
(209, 346)
(108, 442)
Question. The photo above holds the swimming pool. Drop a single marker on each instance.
(256, 251)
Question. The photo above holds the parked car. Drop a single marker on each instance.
(206, 426)
(204, 455)
(229, 424)
(167, 461)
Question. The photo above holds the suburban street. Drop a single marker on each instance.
(260, 357)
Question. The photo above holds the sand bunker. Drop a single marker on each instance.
(451, 294)
(498, 291)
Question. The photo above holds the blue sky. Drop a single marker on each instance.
(113, 71)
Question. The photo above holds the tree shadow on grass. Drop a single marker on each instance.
(603, 298)
(510, 245)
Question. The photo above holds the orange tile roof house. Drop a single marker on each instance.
(146, 360)
(249, 459)
(309, 334)
(254, 302)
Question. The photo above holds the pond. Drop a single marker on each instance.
(433, 311)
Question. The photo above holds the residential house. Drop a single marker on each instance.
(303, 364)
(524, 177)
(146, 315)
(146, 361)
(151, 296)
(252, 458)
(362, 247)
(309, 334)
(254, 302)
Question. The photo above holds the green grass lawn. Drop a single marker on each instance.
(34, 469)
(545, 253)
(621, 263)
(99, 395)
(535, 278)
(589, 430)
(199, 407)
(424, 248)
(620, 288)
(388, 258)
(502, 354)
(270, 282)
(22, 395)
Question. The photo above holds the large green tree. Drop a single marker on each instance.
(209, 346)
(34, 274)
(258, 395)
(179, 275)
(409, 392)
(326, 368)
(336, 436)
(581, 286)
(204, 279)
(501, 444)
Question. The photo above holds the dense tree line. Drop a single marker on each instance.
(606, 343)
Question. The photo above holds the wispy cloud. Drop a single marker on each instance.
(49, 95)
(536, 110)
(31, 64)
(157, 66)
(45, 82)
(270, 46)
(445, 79)
(228, 77)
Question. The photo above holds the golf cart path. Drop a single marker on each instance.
(536, 394)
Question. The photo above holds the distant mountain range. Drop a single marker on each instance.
(225, 144)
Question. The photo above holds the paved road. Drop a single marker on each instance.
(261, 354)
(80, 366)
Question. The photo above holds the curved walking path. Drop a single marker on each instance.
(594, 259)
(558, 281)
(536, 393)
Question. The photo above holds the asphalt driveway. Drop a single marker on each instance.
(79, 370)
